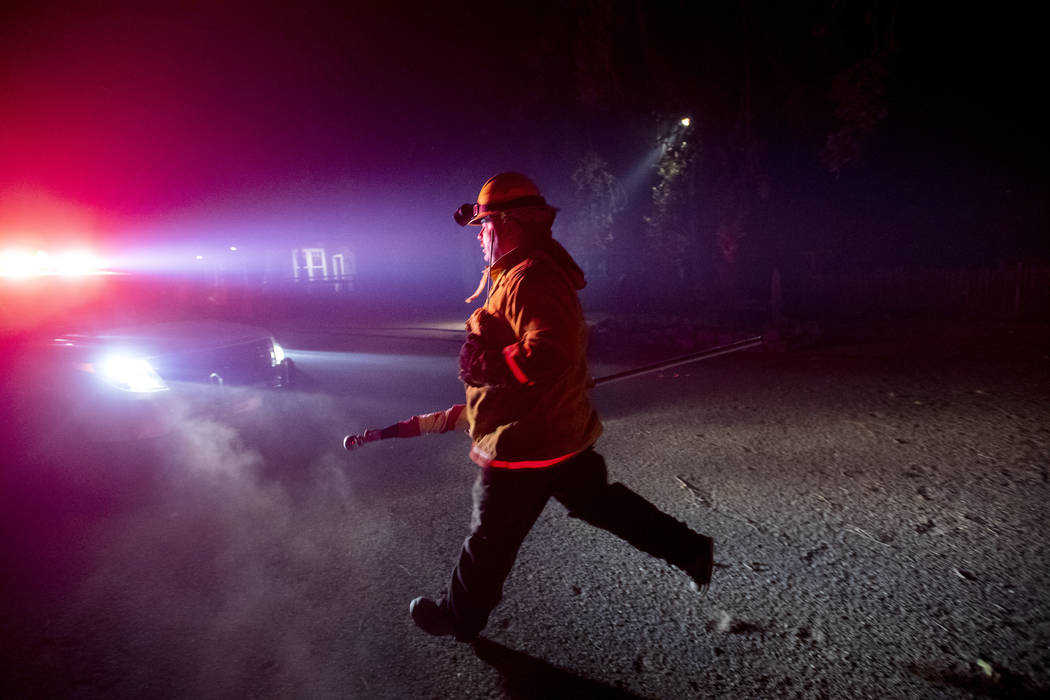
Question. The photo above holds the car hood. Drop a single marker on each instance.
(166, 338)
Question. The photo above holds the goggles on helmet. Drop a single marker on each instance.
(474, 213)
(465, 213)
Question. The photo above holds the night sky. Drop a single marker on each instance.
(134, 120)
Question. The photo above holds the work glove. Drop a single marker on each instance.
(496, 331)
(481, 360)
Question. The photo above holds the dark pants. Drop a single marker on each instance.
(507, 503)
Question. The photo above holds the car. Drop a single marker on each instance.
(136, 382)
(124, 360)
(140, 380)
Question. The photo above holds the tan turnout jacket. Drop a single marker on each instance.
(547, 416)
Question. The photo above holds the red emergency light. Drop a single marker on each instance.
(72, 263)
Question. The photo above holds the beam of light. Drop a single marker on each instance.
(79, 262)
(642, 172)
(17, 263)
(643, 169)
(178, 258)
(277, 356)
(131, 374)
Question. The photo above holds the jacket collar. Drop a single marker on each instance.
(509, 260)
(546, 247)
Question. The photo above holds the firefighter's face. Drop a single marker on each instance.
(486, 237)
(498, 237)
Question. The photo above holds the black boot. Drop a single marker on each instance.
(432, 617)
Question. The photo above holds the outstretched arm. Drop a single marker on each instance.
(452, 418)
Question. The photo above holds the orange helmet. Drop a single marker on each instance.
(500, 193)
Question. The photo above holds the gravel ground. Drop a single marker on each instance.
(879, 504)
(881, 514)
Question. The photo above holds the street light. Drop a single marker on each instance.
(686, 121)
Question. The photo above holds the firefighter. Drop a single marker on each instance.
(529, 415)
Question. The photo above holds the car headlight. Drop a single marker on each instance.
(130, 374)
(277, 353)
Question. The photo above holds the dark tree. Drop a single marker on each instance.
(760, 82)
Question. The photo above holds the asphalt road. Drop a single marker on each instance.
(879, 510)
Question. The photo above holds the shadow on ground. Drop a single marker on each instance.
(526, 677)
